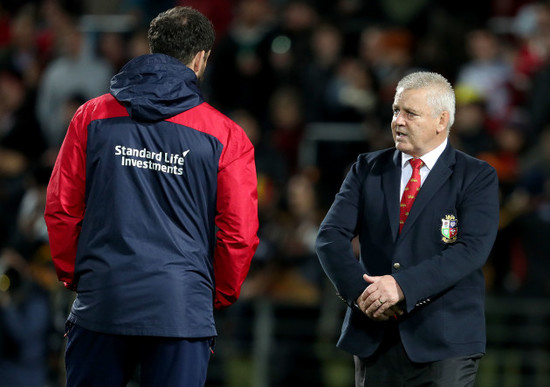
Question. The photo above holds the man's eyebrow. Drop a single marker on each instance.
(405, 108)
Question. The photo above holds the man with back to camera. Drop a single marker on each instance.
(426, 216)
(152, 216)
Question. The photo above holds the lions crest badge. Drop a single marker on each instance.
(449, 229)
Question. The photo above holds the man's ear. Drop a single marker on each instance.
(443, 121)
(197, 62)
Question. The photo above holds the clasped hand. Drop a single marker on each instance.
(380, 298)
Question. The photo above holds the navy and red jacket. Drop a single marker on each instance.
(152, 206)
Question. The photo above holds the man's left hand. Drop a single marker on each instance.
(379, 300)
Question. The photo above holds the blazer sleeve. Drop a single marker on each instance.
(236, 220)
(65, 205)
(334, 240)
(478, 214)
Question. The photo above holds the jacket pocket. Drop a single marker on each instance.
(464, 317)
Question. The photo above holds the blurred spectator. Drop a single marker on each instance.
(412, 15)
(533, 64)
(522, 245)
(445, 33)
(538, 103)
(291, 281)
(12, 189)
(291, 46)
(27, 280)
(24, 325)
(21, 144)
(58, 18)
(76, 71)
(535, 164)
(532, 223)
(23, 54)
(293, 275)
(350, 95)
(144, 11)
(240, 67)
(326, 48)
(271, 165)
(349, 16)
(296, 290)
(505, 158)
(220, 12)
(488, 73)
(19, 128)
(469, 132)
(534, 226)
(287, 123)
(531, 27)
(388, 54)
(112, 48)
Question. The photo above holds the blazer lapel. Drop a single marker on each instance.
(391, 180)
(437, 177)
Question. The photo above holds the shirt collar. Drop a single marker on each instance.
(429, 158)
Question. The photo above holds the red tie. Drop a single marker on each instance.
(411, 189)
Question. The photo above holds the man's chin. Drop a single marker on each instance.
(400, 146)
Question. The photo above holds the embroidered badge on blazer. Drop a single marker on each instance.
(449, 228)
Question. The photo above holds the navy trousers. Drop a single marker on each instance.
(391, 367)
(96, 359)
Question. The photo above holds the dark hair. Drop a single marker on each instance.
(181, 32)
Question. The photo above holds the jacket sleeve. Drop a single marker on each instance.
(65, 200)
(334, 240)
(236, 220)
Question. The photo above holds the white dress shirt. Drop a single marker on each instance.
(429, 160)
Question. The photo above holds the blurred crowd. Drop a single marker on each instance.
(279, 68)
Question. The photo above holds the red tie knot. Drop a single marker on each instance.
(416, 163)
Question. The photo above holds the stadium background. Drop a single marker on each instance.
(312, 84)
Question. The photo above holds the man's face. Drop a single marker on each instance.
(416, 131)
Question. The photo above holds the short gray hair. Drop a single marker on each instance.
(441, 96)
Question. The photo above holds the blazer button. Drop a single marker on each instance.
(396, 265)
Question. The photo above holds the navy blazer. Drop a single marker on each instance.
(440, 275)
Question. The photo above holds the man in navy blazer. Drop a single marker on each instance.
(415, 296)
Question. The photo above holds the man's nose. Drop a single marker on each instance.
(399, 118)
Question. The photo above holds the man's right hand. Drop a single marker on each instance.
(377, 302)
